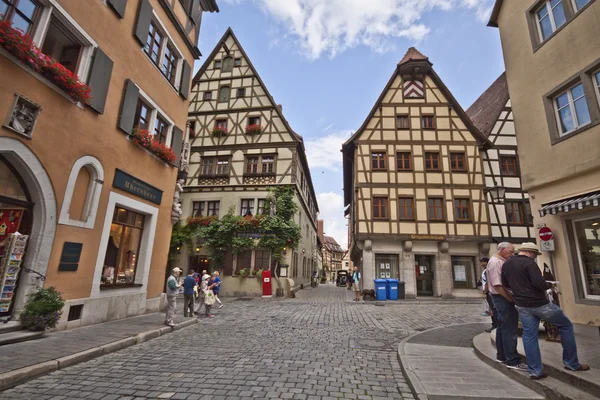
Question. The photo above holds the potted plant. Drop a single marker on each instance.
(43, 310)
(244, 272)
(253, 129)
(258, 273)
(219, 132)
(145, 139)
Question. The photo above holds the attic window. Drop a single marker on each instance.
(237, 62)
(218, 64)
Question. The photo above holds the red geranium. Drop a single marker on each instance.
(253, 129)
(145, 139)
(218, 132)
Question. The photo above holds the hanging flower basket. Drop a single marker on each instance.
(219, 132)
(143, 138)
(253, 129)
(20, 45)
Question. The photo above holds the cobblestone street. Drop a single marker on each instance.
(319, 345)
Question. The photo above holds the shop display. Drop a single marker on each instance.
(10, 266)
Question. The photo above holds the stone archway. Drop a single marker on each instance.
(43, 227)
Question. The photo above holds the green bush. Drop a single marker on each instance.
(43, 309)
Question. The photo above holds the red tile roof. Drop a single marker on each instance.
(487, 108)
(412, 54)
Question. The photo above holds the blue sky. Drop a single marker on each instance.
(327, 61)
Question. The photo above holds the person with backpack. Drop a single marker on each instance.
(356, 283)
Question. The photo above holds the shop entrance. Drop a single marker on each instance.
(424, 274)
(16, 212)
(198, 264)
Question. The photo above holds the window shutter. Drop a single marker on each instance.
(142, 25)
(119, 6)
(186, 75)
(224, 94)
(228, 263)
(196, 13)
(99, 80)
(177, 144)
(128, 106)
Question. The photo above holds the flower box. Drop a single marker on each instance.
(219, 132)
(20, 45)
(143, 138)
(204, 221)
(253, 129)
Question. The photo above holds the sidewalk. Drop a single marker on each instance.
(23, 361)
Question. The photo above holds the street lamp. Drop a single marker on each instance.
(497, 193)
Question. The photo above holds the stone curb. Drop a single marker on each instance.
(22, 375)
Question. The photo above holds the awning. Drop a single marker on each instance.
(578, 202)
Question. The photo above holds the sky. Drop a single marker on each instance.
(327, 61)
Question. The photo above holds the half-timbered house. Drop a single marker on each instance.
(240, 145)
(414, 187)
(510, 214)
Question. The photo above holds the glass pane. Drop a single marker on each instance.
(559, 13)
(112, 253)
(463, 272)
(20, 23)
(130, 244)
(598, 79)
(562, 100)
(546, 26)
(566, 120)
(542, 12)
(27, 7)
(577, 91)
(121, 216)
(3, 8)
(581, 3)
(583, 114)
(587, 233)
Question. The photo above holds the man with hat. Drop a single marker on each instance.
(172, 292)
(522, 276)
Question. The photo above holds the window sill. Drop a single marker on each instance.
(464, 221)
(575, 132)
(404, 170)
(260, 174)
(459, 171)
(433, 170)
(122, 286)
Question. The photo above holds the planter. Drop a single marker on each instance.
(144, 139)
(219, 132)
(253, 129)
(42, 310)
(36, 323)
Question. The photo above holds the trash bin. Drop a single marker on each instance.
(401, 290)
(380, 289)
(392, 289)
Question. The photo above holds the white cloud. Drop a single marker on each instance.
(331, 209)
(333, 26)
(325, 151)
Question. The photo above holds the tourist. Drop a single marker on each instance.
(508, 318)
(217, 281)
(488, 297)
(189, 283)
(356, 283)
(172, 292)
(522, 276)
(207, 295)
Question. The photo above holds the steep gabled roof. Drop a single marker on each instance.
(484, 112)
(297, 137)
(493, 22)
(209, 5)
(332, 244)
(412, 54)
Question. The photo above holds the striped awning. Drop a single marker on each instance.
(578, 202)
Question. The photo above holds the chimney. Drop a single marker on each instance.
(320, 230)
(280, 108)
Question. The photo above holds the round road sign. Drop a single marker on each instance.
(545, 234)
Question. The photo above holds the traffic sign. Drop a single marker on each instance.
(547, 245)
(545, 234)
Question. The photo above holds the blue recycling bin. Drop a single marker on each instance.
(392, 289)
(380, 289)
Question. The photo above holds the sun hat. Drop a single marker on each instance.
(176, 269)
(205, 277)
(530, 246)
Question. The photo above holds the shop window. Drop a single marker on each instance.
(378, 161)
(587, 240)
(463, 272)
(247, 208)
(386, 266)
(122, 252)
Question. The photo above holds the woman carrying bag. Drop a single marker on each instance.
(208, 295)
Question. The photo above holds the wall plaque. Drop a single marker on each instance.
(69, 258)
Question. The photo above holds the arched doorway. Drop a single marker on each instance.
(16, 215)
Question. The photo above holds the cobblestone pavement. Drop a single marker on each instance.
(316, 346)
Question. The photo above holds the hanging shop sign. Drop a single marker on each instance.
(137, 187)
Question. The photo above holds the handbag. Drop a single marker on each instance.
(209, 298)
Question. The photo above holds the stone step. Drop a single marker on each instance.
(19, 336)
(10, 326)
(554, 387)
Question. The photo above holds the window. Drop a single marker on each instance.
(588, 254)
(264, 164)
(169, 65)
(597, 84)
(207, 96)
(457, 162)
(428, 122)
(221, 124)
(386, 266)
(213, 166)
(462, 209)
(241, 92)
(213, 208)
(22, 13)
(142, 116)
(122, 252)
(244, 260)
(154, 43)
(262, 259)
(403, 161)
(227, 64)
(402, 122)
(197, 209)
(571, 109)
(217, 64)
(406, 208)
(61, 45)
(579, 4)
(237, 62)
(463, 272)
(549, 17)
(435, 208)
(508, 166)
(247, 208)
(224, 92)
(160, 130)
(378, 160)
(253, 120)
(260, 210)
(518, 212)
(432, 161)
(380, 206)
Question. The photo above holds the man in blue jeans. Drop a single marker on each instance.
(508, 318)
(523, 278)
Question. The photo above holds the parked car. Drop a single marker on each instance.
(342, 278)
